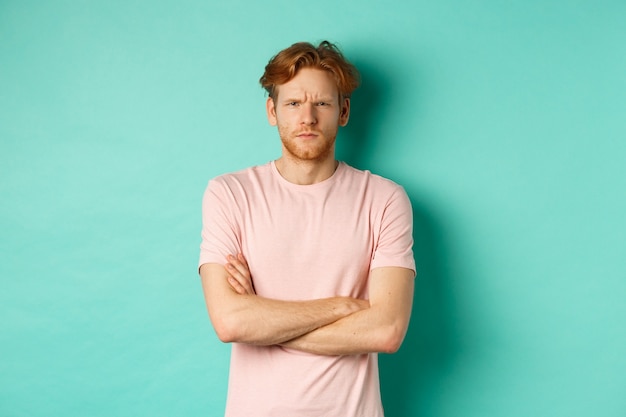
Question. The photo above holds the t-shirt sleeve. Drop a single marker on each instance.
(395, 241)
(221, 234)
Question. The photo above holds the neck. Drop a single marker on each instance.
(306, 172)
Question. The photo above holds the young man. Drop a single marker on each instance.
(307, 263)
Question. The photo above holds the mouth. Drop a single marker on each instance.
(308, 135)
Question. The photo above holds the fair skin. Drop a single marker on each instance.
(379, 327)
(247, 318)
(308, 110)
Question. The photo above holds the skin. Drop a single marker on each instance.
(379, 327)
(308, 111)
(247, 318)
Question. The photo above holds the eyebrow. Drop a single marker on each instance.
(299, 100)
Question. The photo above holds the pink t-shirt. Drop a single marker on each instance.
(305, 242)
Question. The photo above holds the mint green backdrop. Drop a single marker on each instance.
(505, 122)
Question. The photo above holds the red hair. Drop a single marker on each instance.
(286, 64)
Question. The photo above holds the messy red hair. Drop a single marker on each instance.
(286, 64)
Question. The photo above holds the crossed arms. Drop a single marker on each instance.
(328, 326)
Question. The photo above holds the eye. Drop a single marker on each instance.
(292, 104)
(322, 104)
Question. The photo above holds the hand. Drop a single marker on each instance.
(239, 274)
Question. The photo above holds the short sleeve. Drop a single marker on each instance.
(394, 246)
(221, 234)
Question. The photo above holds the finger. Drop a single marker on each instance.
(236, 285)
(236, 281)
(242, 267)
(242, 281)
(242, 259)
(240, 271)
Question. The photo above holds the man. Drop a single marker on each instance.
(307, 263)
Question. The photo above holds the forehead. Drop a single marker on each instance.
(309, 82)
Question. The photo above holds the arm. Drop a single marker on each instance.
(244, 317)
(379, 328)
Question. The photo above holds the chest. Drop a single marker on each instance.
(307, 246)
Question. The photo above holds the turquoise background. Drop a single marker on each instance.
(505, 122)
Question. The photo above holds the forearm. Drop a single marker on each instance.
(361, 332)
(256, 320)
(379, 328)
(262, 321)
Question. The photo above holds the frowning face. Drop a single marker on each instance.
(308, 112)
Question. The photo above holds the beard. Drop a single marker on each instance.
(317, 149)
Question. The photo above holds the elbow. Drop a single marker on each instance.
(392, 339)
(226, 330)
(391, 346)
(224, 335)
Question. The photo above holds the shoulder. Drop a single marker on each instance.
(241, 180)
(234, 188)
(244, 175)
(372, 183)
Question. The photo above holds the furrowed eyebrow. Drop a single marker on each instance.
(299, 100)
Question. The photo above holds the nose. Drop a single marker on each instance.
(309, 116)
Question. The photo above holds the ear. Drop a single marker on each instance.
(344, 114)
(270, 108)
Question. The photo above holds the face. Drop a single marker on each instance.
(308, 113)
